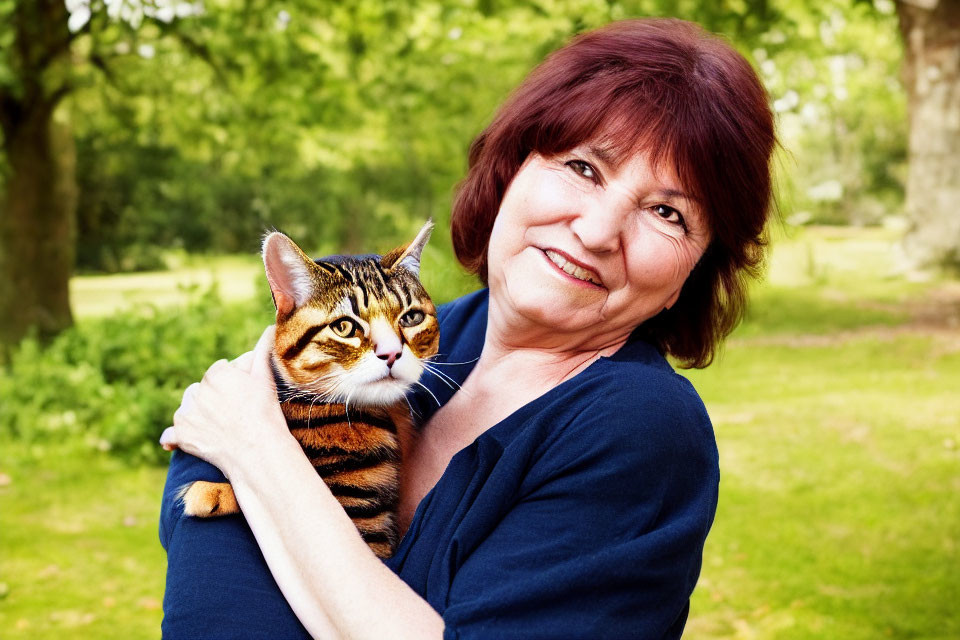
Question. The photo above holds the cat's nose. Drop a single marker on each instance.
(389, 356)
(386, 343)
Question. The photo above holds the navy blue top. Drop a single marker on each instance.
(581, 515)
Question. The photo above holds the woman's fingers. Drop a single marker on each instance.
(261, 354)
(215, 369)
(168, 439)
(229, 394)
(187, 402)
(244, 361)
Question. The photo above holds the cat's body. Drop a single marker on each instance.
(352, 336)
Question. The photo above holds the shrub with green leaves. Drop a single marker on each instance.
(113, 384)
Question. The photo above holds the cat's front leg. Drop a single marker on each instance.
(208, 499)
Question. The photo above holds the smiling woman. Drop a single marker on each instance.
(563, 478)
(692, 109)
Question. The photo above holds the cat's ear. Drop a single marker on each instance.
(408, 257)
(289, 271)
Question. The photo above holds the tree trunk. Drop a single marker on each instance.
(931, 73)
(37, 231)
(37, 219)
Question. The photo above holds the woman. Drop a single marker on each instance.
(613, 208)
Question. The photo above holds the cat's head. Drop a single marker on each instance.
(351, 329)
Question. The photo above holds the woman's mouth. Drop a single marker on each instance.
(572, 269)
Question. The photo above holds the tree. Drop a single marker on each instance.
(36, 230)
(931, 74)
(39, 62)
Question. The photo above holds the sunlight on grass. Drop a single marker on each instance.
(81, 558)
(838, 515)
(236, 278)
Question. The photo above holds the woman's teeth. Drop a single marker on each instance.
(571, 269)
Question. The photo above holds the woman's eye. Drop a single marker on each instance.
(412, 318)
(344, 327)
(669, 214)
(583, 169)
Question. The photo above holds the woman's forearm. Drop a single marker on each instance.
(333, 582)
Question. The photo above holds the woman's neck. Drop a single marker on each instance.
(516, 349)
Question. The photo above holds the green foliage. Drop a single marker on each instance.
(113, 384)
(831, 69)
(341, 122)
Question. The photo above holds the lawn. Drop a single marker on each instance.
(837, 418)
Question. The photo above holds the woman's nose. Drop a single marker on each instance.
(598, 227)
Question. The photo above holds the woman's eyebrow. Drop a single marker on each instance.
(675, 193)
(602, 154)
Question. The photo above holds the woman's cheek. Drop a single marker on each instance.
(659, 260)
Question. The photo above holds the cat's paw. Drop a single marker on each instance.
(208, 499)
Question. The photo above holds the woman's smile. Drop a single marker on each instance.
(570, 269)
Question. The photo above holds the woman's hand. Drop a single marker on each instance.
(227, 416)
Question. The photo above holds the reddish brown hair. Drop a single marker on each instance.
(663, 87)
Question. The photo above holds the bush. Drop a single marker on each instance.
(113, 384)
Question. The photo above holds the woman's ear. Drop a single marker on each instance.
(408, 257)
(290, 272)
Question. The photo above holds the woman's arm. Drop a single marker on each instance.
(332, 580)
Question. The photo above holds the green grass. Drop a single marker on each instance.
(839, 515)
(837, 418)
(236, 278)
(80, 552)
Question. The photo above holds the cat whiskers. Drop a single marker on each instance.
(413, 411)
(420, 384)
(310, 410)
(346, 409)
(331, 393)
(444, 378)
(446, 364)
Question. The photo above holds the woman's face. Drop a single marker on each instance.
(585, 246)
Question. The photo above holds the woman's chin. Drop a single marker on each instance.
(554, 305)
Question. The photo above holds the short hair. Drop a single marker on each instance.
(667, 88)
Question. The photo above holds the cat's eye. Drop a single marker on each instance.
(412, 318)
(344, 327)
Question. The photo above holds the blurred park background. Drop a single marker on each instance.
(147, 144)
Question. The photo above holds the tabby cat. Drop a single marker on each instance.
(352, 337)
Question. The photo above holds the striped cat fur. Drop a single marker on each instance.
(353, 334)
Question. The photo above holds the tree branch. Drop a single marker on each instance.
(196, 48)
(59, 94)
(99, 62)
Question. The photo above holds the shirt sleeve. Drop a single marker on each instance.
(218, 583)
(607, 537)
